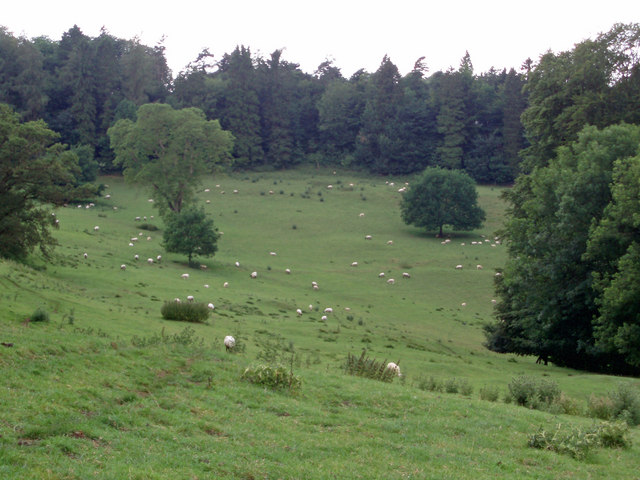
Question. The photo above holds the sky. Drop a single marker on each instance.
(354, 34)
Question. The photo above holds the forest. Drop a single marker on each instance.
(563, 130)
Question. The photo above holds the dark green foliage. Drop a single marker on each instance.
(191, 233)
(148, 226)
(39, 315)
(626, 404)
(442, 197)
(491, 394)
(185, 311)
(366, 367)
(275, 377)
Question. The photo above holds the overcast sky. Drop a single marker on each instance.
(353, 33)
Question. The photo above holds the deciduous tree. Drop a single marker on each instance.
(191, 233)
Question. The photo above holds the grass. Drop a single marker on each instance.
(81, 399)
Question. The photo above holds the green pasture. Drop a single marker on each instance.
(81, 400)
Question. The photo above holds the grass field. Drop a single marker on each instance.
(108, 389)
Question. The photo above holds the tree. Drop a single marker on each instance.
(169, 151)
(442, 197)
(34, 171)
(191, 233)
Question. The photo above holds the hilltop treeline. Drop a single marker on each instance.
(280, 116)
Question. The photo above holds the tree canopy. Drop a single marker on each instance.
(169, 151)
(442, 197)
(34, 171)
(191, 233)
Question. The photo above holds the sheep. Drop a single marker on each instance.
(130, 244)
(225, 284)
(368, 237)
(150, 200)
(134, 239)
(85, 255)
(177, 300)
(310, 307)
(361, 214)
(328, 310)
(96, 228)
(394, 368)
(211, 306)
(316, 287)
(206, 190)
(406, 275)
(137, 219)
(390, 242)
(463, 304)
(235, 191)
(254, 275)
(381, 275)
(107, 197)
(287, 271)
(185, 276)
(273, 254)
(123, 267)
(479, 267)
(299, 312)
(354, 264)
(206, 285)
(323, 318)
(391, 281)
(229, 342)
(238, 264)
(149, 261)
(190, 298)
(158, 258)
(494, 301)
(203, 267)
(329, 187)
(208, 201)
(458, 267)
(136, 257)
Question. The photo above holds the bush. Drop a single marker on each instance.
(40, 315)
(364, 366)
(276, 377)
(626, 404)
(600, 407)
(529, 392)
(185, 312)
(451, 385)
(490, 394)
(567, 405)
(431, 384)
(614, 434)
(148, 226)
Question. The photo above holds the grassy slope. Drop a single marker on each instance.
(80, 400)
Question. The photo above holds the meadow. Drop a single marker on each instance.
(108, 389)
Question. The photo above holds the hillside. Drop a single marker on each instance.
(108, 389)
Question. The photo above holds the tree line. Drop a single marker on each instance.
(279, 115)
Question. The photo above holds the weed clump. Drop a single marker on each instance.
(490, 394)
(366, 367)
(621, 404)
(185, 312)
(276, 377)
(148, 226)
(532, 393)
(40, 315)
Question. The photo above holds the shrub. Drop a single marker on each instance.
(600, 407)
(529, 392)
(626, 404)
(431, 384)
(614, 434)
(466, 388)
(567, 405)
(364, 366)
(40, 315)
(148, 226)
(490, 394)
(185, 312)
(451, 385)
(276, 377)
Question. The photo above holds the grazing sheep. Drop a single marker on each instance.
(158, 258)
(134, 239)
(203, 267)
(96, 228)
(323, 318)
(136, 257)
(208, 201)
(463, 304)
(211, 306)
(235, 191)
(123, 267)
(254, 274)
(225, 284)
(329, 187)
(494, 301)
(229, 342)
(361, 214)
(310, 307)
(394, 368)
(458, 267)
(391, 281)
(185, 276)
(299, 312)
(130, 244)
(316, 287)
(498, 274)
(238, 264)
(137, 219)
(328, 310)
(406, 275)
(390, 242)
(368, 237)
(85, 255)
(287, 271)
(149, 261)
(190, 298)
(107, 197)
(273, 254)
(479, 267)
(354, 264)
(207, 190)
(381, 275)
(177, 300)
(206, 285)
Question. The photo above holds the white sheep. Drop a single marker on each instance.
(361, 214)
(354, 264)
(316, 287)
(254, 275)
(206, 285)
(123, 267)
(394, 368)
(211, 306)
(323, 318)
(159, 257)
(406, 275)
(130, 244)
(137, 219)
(299, 312)
(458, 267)
(463, 304)
(85, 255)
(381, 275)
(391, 281)
(149, 261)
(185, 276)
(368, 237)
(238, 264)
(96, 228)
(136, 257)
(177, 300)
(225, 284)
(287, 271)
(190, 298)
(229, 342)
(328, 310)
(310, 307)
(479, 267)
(390, 242)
